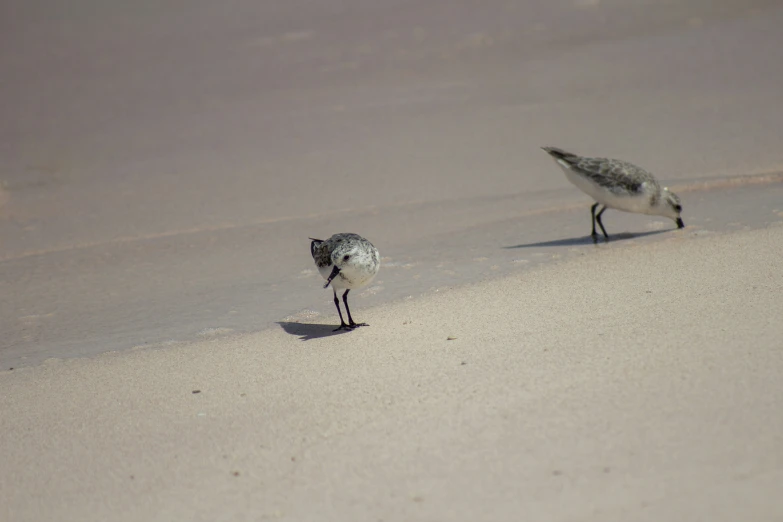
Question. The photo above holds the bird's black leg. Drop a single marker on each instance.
(342, 326)
(350, 319)
(598, 218)
(592, 213)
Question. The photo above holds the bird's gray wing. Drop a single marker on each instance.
(321, 253)
(615, 175)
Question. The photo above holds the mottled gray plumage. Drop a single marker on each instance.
(338, 246)
(612, 174)
(345, 261)
(619, 185)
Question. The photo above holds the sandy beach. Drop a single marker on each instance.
(167, 349)
(608, 387)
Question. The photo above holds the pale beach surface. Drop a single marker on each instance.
(634, 383)
(165, 344)
(163, 163)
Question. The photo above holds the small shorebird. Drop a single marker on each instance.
(619, 185)
(345, 261)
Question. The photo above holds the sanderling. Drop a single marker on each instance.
(619, 185)
(345, 261)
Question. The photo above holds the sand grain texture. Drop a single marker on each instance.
(162, 165)
(633, 383)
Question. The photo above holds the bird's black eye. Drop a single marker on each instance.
(346, 257)
(678, 208)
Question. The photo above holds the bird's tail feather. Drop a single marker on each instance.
(561, 154)
(313, 245)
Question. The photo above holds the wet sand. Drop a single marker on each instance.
(161, 169)
(155, 292)
(634, 383)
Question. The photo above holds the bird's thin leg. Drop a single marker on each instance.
(342, 326)
(592, 213)
(598, 218)
(350, 319)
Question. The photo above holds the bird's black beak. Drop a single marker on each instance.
(680, 224)
(335, 271)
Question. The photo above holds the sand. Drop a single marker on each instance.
(163, 164)
(163, 167)
(635, 383)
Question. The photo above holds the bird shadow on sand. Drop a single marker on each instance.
(308, 331)
(587, 240)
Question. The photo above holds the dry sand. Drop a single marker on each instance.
(634, 383)
(162, 164)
